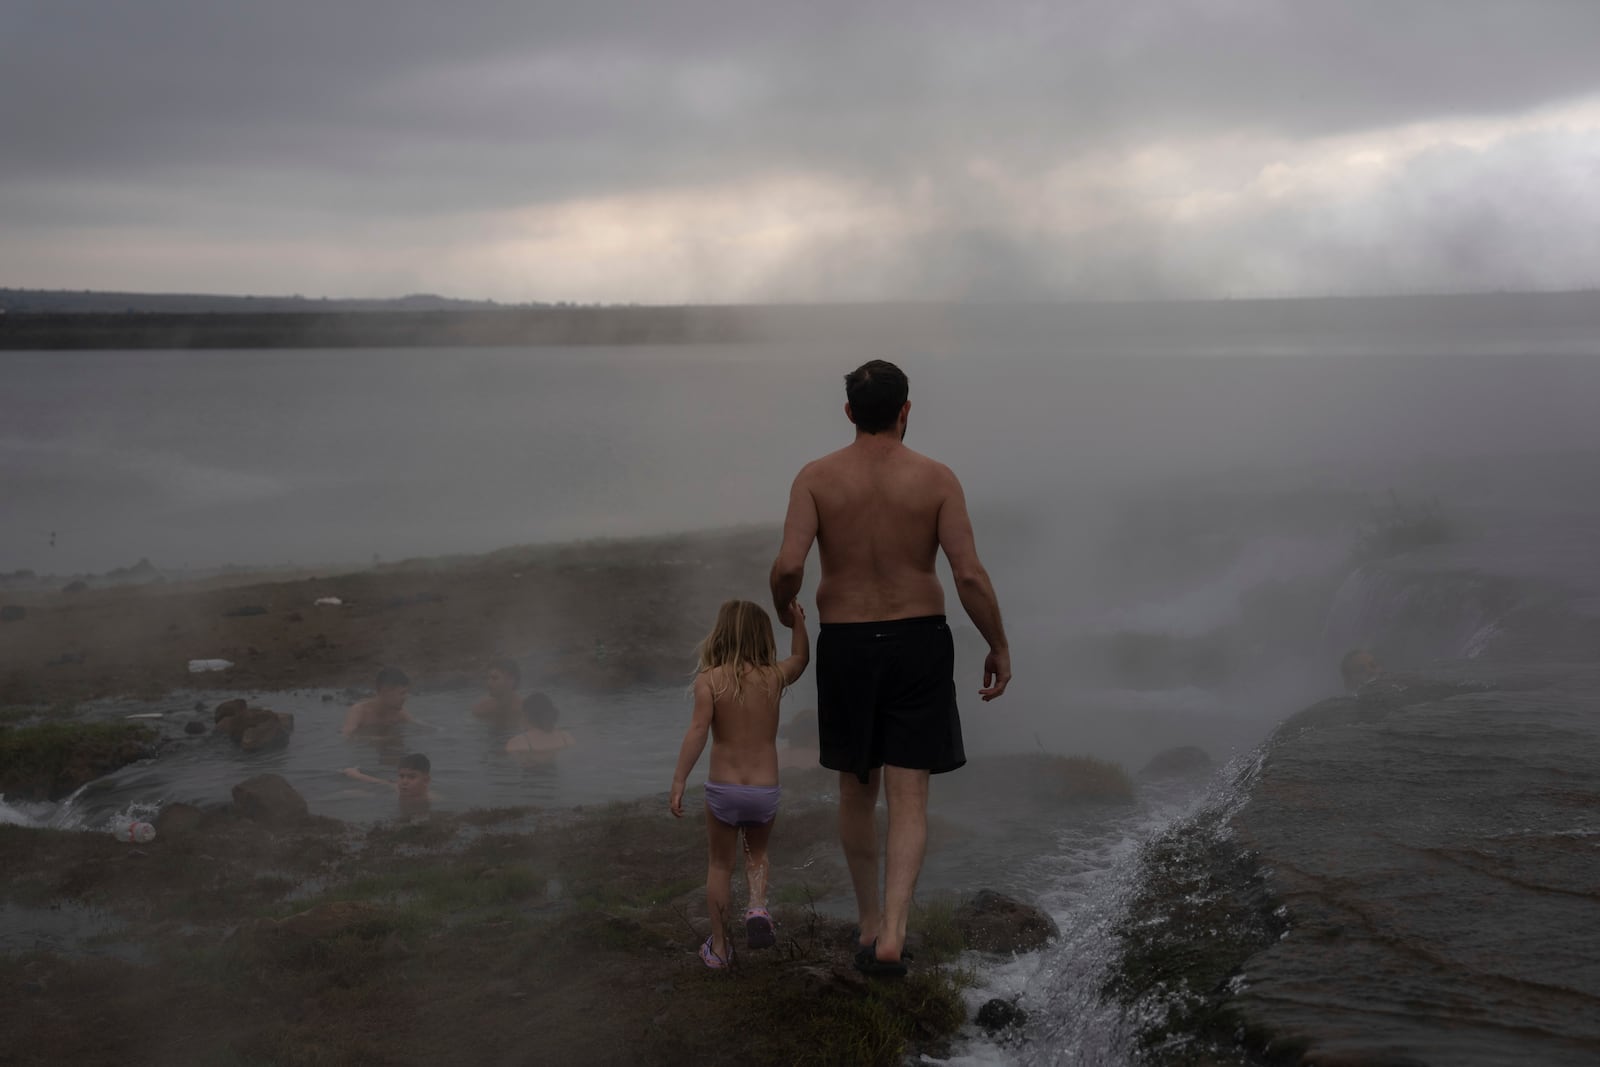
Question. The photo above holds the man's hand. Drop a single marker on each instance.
(791, 613)
(996, 673)
(676, 803)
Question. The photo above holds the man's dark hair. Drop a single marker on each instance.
(392, 676)
(415, 762)
(877, 391)
(540, 711)
(507, 667)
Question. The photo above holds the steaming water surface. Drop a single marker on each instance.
(1170, 524)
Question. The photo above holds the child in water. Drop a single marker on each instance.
(736, 695)
(540, 739)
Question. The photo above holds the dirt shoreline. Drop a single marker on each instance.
(506, 936)
(575, 607)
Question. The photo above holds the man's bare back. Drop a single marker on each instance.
(877, 506)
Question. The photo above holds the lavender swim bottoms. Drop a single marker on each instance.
(742, 805)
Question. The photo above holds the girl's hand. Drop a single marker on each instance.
(676, 803)
(797, 615)
(353, 772)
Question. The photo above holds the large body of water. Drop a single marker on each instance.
(1173, 525)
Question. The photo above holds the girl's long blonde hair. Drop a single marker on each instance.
(741, 638)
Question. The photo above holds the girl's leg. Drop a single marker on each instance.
(722, 840)
(755, 862)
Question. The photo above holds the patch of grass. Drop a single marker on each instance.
(604, 897)
(939, 938)
(815, 1020)
(430, 892)
(49, 760)
(15, 715)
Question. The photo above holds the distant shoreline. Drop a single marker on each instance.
(370, 329)
(142, 327)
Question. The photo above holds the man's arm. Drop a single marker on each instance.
(974, 589)
(799, 531)
(353, 720)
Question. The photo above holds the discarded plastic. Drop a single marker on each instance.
(133, 831)
(327, 602)
(201, 666)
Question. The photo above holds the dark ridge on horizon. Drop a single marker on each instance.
(401, 324)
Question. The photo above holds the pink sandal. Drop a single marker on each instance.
(711, 959)
(758, 930)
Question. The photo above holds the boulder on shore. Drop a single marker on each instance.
(269, 799)
(994, 922)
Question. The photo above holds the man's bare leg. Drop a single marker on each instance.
(858, 834)
(907, 793)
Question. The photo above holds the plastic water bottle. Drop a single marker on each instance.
(134, 831)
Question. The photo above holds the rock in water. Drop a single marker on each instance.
(253, 729)
(268, 799)
(229, 707)
(997, 1015)
(994, 922)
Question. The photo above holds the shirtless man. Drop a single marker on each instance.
(886, 699)
(501, 706)
(384, 709)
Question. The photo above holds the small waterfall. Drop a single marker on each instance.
(1413, 617)
(1074, 1021)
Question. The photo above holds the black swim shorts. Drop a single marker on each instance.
(886, 694)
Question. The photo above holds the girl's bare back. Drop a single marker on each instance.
(744, 725)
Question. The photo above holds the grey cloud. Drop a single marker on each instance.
(501, 100)
(220, 120)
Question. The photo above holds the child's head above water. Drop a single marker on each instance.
(540, 711)
(742, 637)
(393, 686)
(503, 677)
(414, 773)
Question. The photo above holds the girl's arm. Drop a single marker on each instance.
(694, 742)
(799, 647)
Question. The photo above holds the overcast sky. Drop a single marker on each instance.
(756, 150)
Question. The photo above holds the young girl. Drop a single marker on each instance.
(736, 701)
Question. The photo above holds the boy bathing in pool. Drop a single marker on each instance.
(736, 696)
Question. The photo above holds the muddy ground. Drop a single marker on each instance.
(488, 937)
(578, 607)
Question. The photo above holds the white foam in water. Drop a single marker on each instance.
(1070, 1022)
